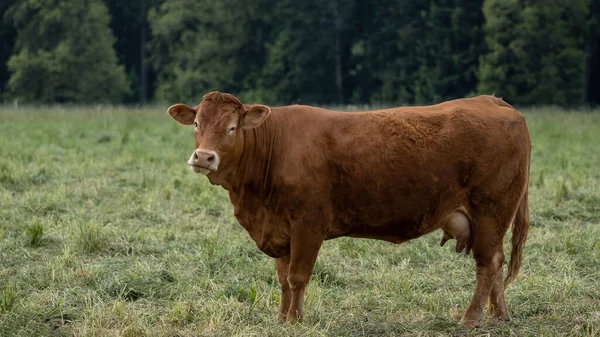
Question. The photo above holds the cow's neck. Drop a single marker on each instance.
(253, 174)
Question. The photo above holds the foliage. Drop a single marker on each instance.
(134, 242)
(421, 51)
(536, 51)
(200, 46)
(382, 52)
(129, 23)
(63, 53)
(592, 48)
(7, 37)
(310, 42)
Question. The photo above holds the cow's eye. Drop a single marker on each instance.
(231, 129)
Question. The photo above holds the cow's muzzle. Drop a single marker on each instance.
(204, 161)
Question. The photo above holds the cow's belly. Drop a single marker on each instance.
(395, 230)
(392, 233)
(454, 223)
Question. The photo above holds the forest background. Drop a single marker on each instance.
(327, 52)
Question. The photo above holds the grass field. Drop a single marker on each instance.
(105, 231)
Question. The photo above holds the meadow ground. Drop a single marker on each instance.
(104, 231)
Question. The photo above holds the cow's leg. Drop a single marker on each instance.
(487, 268)
(489, 255)
(283, 265)
(305, 247)
(497, 303)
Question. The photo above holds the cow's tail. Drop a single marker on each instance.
(519, 235)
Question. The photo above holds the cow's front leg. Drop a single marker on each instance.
(305, 246)
(283, 265)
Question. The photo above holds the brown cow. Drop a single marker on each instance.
(298, 175)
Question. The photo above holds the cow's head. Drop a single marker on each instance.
(218, 122)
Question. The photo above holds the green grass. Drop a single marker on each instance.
(104, 231)
(35, 232)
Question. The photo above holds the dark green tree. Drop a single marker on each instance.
(129, 23)
(265, 50)
(7, 40)
(383, 60)
(64, 53)
(535, 52)
(203, 45)
(418, 51)
(592, 49)
(307, 60)
(448, 51)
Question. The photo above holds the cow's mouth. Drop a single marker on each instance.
(200, 169)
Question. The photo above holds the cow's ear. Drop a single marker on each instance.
(182, 114)
(255, 115)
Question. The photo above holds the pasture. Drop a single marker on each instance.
(105, 231)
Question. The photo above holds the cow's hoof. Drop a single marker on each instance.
(469, 323)
(502, 317)
(293, 319)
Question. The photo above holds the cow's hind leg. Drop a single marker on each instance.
(489, 255)
(283, 265)
(497, 303)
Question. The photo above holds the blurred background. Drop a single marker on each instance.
(330, 52)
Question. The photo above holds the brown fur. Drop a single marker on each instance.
(299, 175)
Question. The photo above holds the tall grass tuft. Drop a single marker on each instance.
(35, 231)
(8, 298)
(561, 192)
(242, 294)
(183, 313)
(90, 238)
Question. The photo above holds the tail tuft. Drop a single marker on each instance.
(519, 235)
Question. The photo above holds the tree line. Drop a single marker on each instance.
(300, 51)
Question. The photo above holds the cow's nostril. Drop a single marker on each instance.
(210, 158)
(195, 156)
